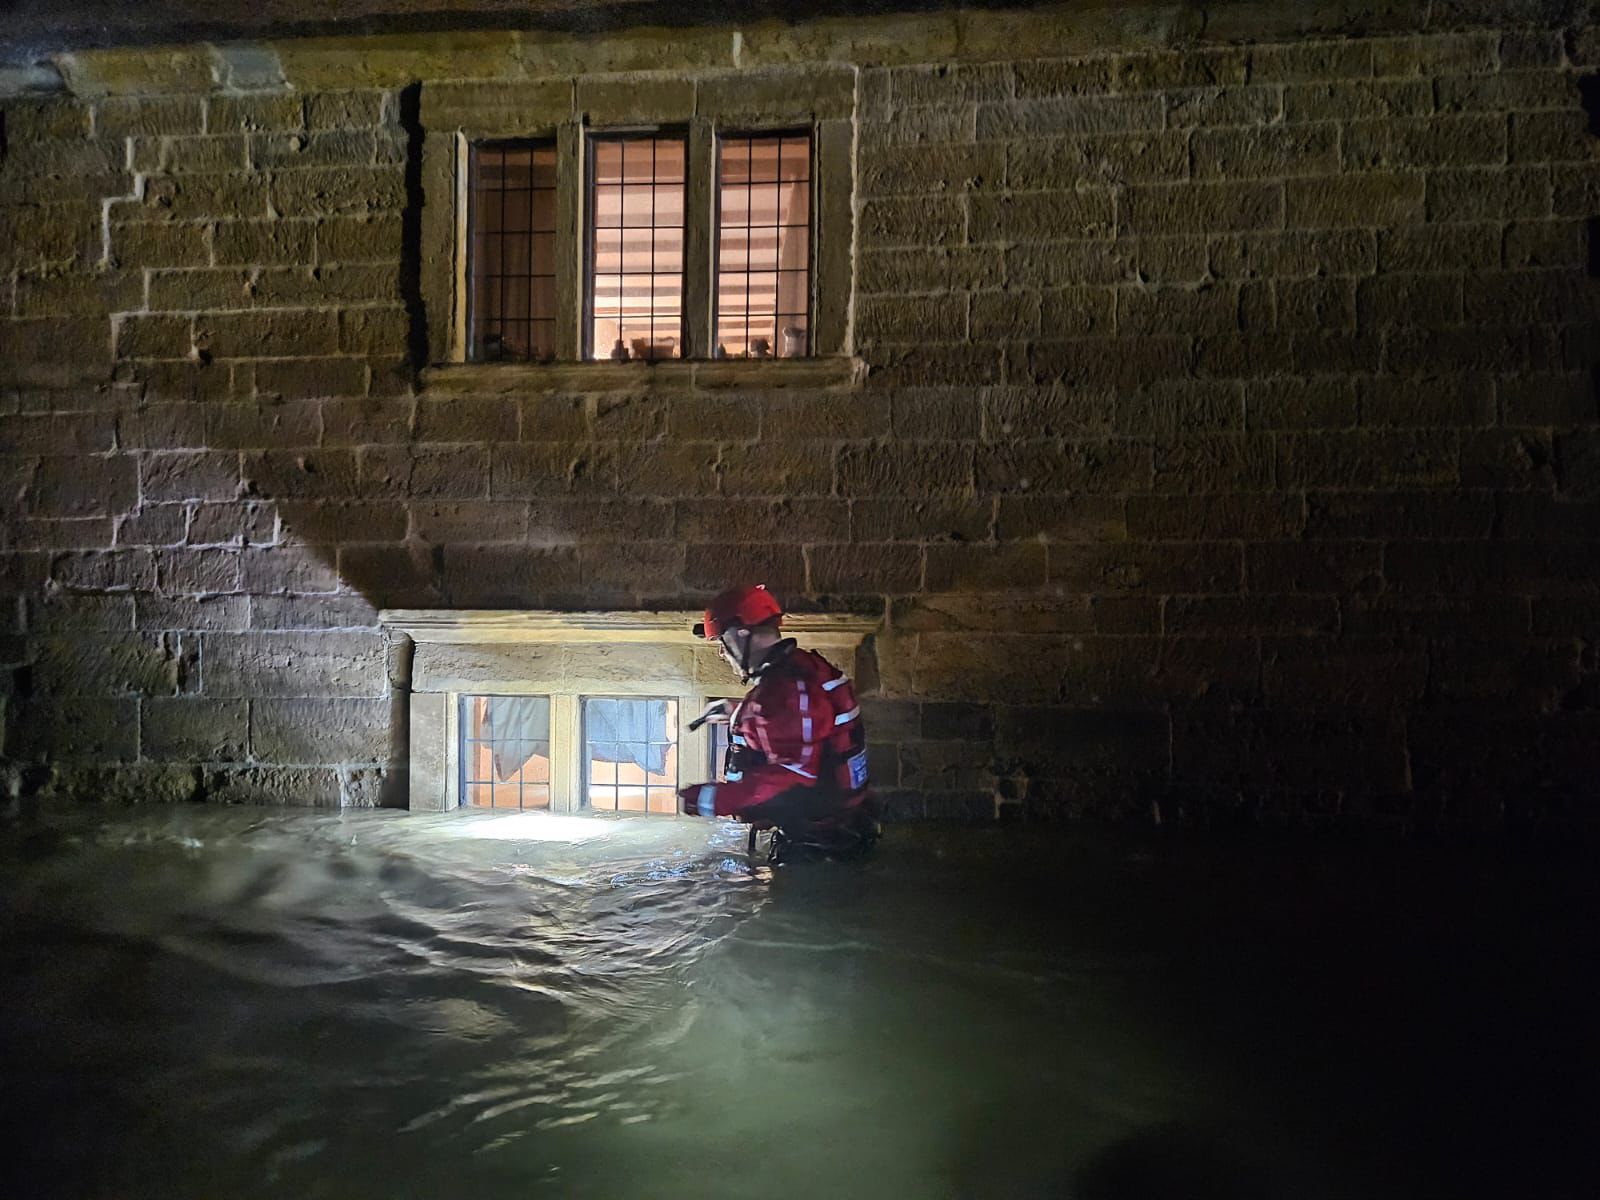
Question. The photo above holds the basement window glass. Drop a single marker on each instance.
(512, 307)
(505, 752)
(763, 244)
(636, 235)
(630, 754)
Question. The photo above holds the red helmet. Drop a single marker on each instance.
(739, 606)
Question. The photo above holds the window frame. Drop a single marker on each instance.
(581, 801)
(456, 115)
(721, 135)
(587, 351)
(470, 316)
(462, 782)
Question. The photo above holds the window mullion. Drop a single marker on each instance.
(571, 263)
(699, 214)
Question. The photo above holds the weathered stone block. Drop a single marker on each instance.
(1098, 568)
(1051, 467)
(1546, 137)
(1010, 566)
(312, 613)
(315, 786)
(1326, 566)
(1214, 517)
(1265, 152)
(918, 170)
(265, 334)
(1357, 100)
(1369, 200)
(191, 614)
(1485, 194)
(506, 576)
(1556, 399)
(951, 83)
(1293, 62)
(346, 110)
(1205, 309)
(1578, 458)
(188, 475)
(270, 665)
(109, 664)
(769, 470)
(1062, 518)
(919, 221)
(1099, 159)
(1429, 403)
(259, 242)
(193, 728)
(197, 572)
(1040, 216)
(231, 524)
(1437, 54)
(287, 474)
(876, 520)
(316, 732)
(1036, 79)
(470, 520)
(252, 112)
(1389, 300)
(1195, 108)
(1436, 141)
(75, 729)
(147, 116)
(905, 469)
(1007, 120)
(911, 319)
(104, 571)
(336, 191)
(708, 567)
(1197, 207)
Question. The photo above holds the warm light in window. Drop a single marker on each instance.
(764, 246)
(630, 755)
(505, 751)
(636, 220)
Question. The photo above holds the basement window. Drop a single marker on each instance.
(505, 752)
(630, 754)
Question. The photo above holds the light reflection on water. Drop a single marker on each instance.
(236, 1003)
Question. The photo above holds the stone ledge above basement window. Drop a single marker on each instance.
(478, 379)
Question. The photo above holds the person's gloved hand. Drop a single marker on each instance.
(698, 800)
(717, 712)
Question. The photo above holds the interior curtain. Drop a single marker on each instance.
(518, 727)
(628, 731)
(793, 255)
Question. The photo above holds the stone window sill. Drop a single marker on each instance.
(841, 373)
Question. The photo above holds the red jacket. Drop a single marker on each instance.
(799, 727)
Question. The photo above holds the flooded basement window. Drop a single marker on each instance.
(630, 754)
(505, 752)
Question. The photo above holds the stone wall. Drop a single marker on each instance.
(1228, 444)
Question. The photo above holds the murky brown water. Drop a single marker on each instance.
(203, 1003)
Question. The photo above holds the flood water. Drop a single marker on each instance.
(238, 1003)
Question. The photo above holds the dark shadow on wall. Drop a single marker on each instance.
(38, 28)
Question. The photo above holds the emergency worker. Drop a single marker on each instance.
(797, 753)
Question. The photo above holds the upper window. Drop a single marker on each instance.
(636, 217)
(763, 290)
(512, 215)
(612, 218)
